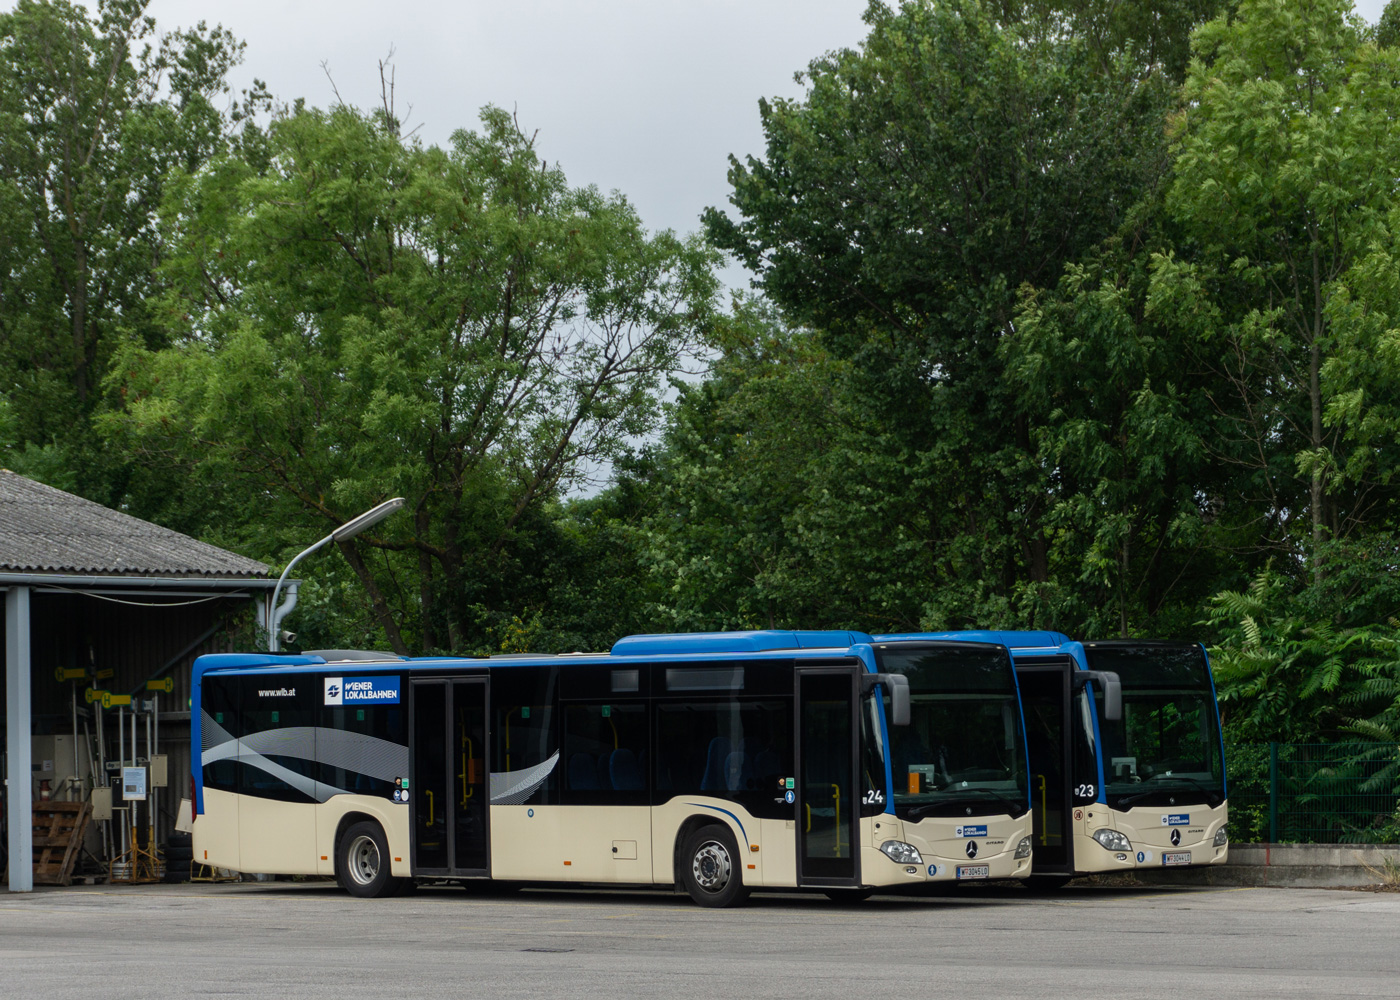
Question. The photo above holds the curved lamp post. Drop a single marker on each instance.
(349, 529)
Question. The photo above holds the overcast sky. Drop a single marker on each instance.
(647, 97)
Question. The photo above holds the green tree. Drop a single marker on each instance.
(739, 473)
(963, 153)
(1388, 26)
(1283, 150)
(95, 112)
(1119, 418)
(357, 315)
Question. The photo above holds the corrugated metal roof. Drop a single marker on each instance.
(45, 530)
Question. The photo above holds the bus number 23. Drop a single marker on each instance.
(1084, 791)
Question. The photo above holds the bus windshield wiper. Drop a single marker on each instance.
(919, 811)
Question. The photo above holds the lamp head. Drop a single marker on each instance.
(370, 517)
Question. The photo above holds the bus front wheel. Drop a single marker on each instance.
(712, 867)
(362, 863)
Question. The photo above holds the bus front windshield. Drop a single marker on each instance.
(964, 747)
(1165, 750)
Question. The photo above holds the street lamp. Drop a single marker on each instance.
(349, 529)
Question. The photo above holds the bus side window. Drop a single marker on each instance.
(728, 749)
(384, 722)
(606, 753)
(524, 730)
(279, 720)
(219, 703)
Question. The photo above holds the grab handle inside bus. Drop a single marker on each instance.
(1107, 680)
(898, 687)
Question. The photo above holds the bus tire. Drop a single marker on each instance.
(712, 867)
(362, 862)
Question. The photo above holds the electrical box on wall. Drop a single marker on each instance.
(102, 802)
(159, 770)
(60, 761)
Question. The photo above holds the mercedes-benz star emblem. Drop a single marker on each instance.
(972, 848)
(1176, 837)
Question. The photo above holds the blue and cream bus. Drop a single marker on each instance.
(1127, 763)
(719, 762)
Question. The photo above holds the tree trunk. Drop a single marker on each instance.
(425, 585)
(376, 596)
(1316, 498)
(1315, 399)
(78, 304)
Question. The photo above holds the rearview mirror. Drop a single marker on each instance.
(898, 687)
(1108, 682)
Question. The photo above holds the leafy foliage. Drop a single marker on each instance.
(356, 316)
(1069, 314)
(1285, 677)
(95, 114)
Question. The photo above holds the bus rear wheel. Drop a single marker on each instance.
(711, 867)
(362, 862)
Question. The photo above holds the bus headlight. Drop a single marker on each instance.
(1221, 837)
(1023, 849)
(1112, 840)
(901, 853)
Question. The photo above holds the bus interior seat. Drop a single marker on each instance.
(604, 772)
(625, 772)
(736, 771)
(583, 773)
(714, 777)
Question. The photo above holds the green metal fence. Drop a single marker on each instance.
(1314, 793)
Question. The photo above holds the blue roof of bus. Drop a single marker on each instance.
(1011, 640)
(735, 642)
(764, 644)
(685, 646)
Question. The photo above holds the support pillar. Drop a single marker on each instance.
(18, 792)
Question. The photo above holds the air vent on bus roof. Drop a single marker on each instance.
(734, 642)
(334, 655)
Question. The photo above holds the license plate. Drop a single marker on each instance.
(972, 871)
(1177, 858)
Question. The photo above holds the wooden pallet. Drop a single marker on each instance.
(58, 837)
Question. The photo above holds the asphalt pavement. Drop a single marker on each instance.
(313, 941)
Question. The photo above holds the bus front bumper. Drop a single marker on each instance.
(949, 850)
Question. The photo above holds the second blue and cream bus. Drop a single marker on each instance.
(719, 762)
(1127, 763)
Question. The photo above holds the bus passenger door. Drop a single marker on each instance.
(449, 786)
(828, 768)
(1045, 699)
